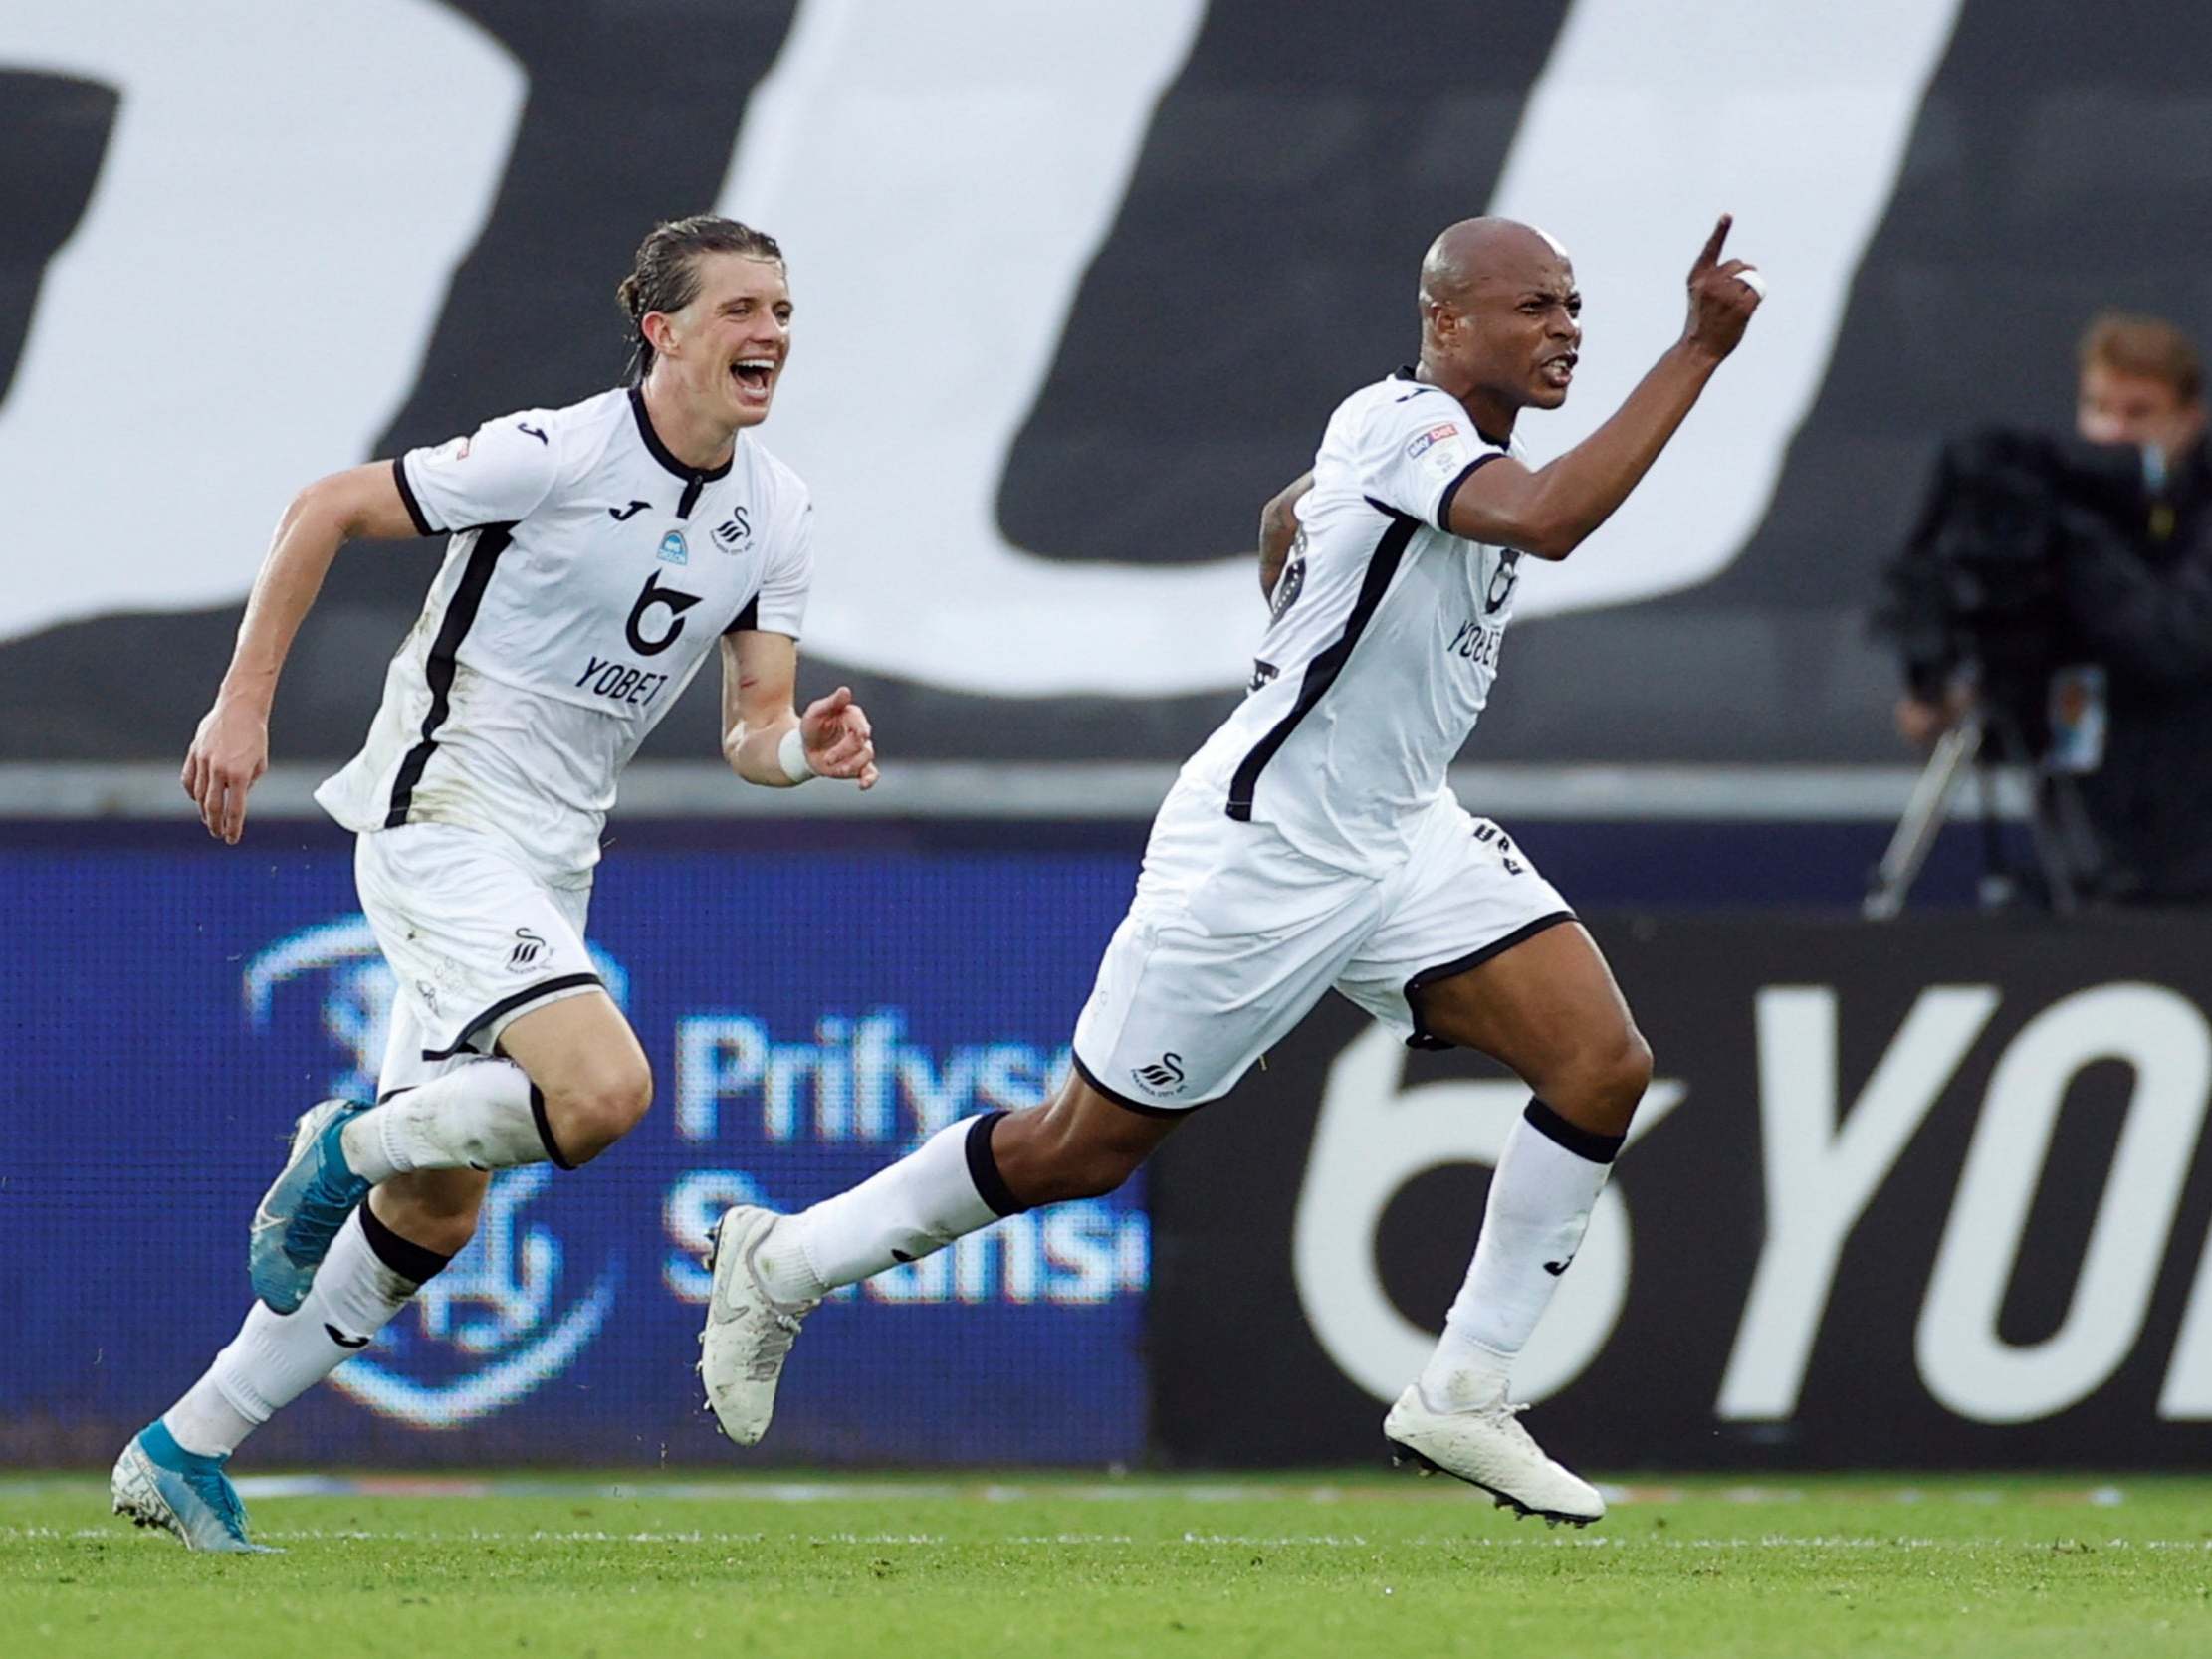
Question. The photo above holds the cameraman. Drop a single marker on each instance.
(2133, 577)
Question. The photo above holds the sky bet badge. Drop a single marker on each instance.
(673, 549)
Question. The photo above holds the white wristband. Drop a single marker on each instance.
(791, 755)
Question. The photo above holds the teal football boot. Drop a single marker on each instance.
(305, 1206)
(158, 1483)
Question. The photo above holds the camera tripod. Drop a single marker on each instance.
(1982, 741)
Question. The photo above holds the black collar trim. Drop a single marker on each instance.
(1406, 371)
(661, 452)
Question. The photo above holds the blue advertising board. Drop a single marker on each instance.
(808, 1017)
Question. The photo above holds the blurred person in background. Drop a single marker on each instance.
(2070, 581)
(600, 554)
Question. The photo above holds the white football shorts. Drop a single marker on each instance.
(1234, 936)
(474, 937)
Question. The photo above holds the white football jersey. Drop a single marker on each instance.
(589, 574)
(1383, 642)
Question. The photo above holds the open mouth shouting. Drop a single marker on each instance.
(755, 378)
(1558, 370)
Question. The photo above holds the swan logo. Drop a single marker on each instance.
(516, 1309)
(1163, 1077)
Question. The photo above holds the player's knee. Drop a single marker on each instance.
(1615, 1078)
(596, 1109)
(1602, 1082)
(1632, 1067)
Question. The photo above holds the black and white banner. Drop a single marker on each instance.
(1077, 286)
(1924, 1194)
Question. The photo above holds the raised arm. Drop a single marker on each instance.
(763, 738)
(230, 750)
(1550, 510)
(1278, 528)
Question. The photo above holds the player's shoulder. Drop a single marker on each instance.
(774, 477)
(575, 437)
(556, 439)
(1398, 407)
(582, 431)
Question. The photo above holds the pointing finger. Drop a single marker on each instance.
(1711, 252)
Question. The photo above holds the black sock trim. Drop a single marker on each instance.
(1583, 1142)
(403, 1256)
(545, 1129)
(983, 1168)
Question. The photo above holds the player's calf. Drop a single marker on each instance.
(1081, 1145)
(771, 1271)
(436, 1208)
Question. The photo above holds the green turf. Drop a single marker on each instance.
(962, 1568)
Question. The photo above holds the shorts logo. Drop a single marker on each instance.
(527, 948)
(1163, 1077)
(675, 549)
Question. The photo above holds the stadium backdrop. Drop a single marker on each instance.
(1142, 246)
(1921, 1195)
(426, 204)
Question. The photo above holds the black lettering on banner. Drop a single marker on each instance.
(675, 601)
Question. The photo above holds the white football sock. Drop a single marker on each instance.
(277, 1357)
(946, 1186)
(482, 1115)
(1547, 1182)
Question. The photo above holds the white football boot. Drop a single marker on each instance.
(1486, 1446)
(749, 1332)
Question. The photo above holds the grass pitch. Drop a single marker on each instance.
(1356, 1565)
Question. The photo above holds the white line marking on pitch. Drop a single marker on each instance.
(1241, 1540)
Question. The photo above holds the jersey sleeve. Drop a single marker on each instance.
(1419, 449)
(781, 605)
(498, 475)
